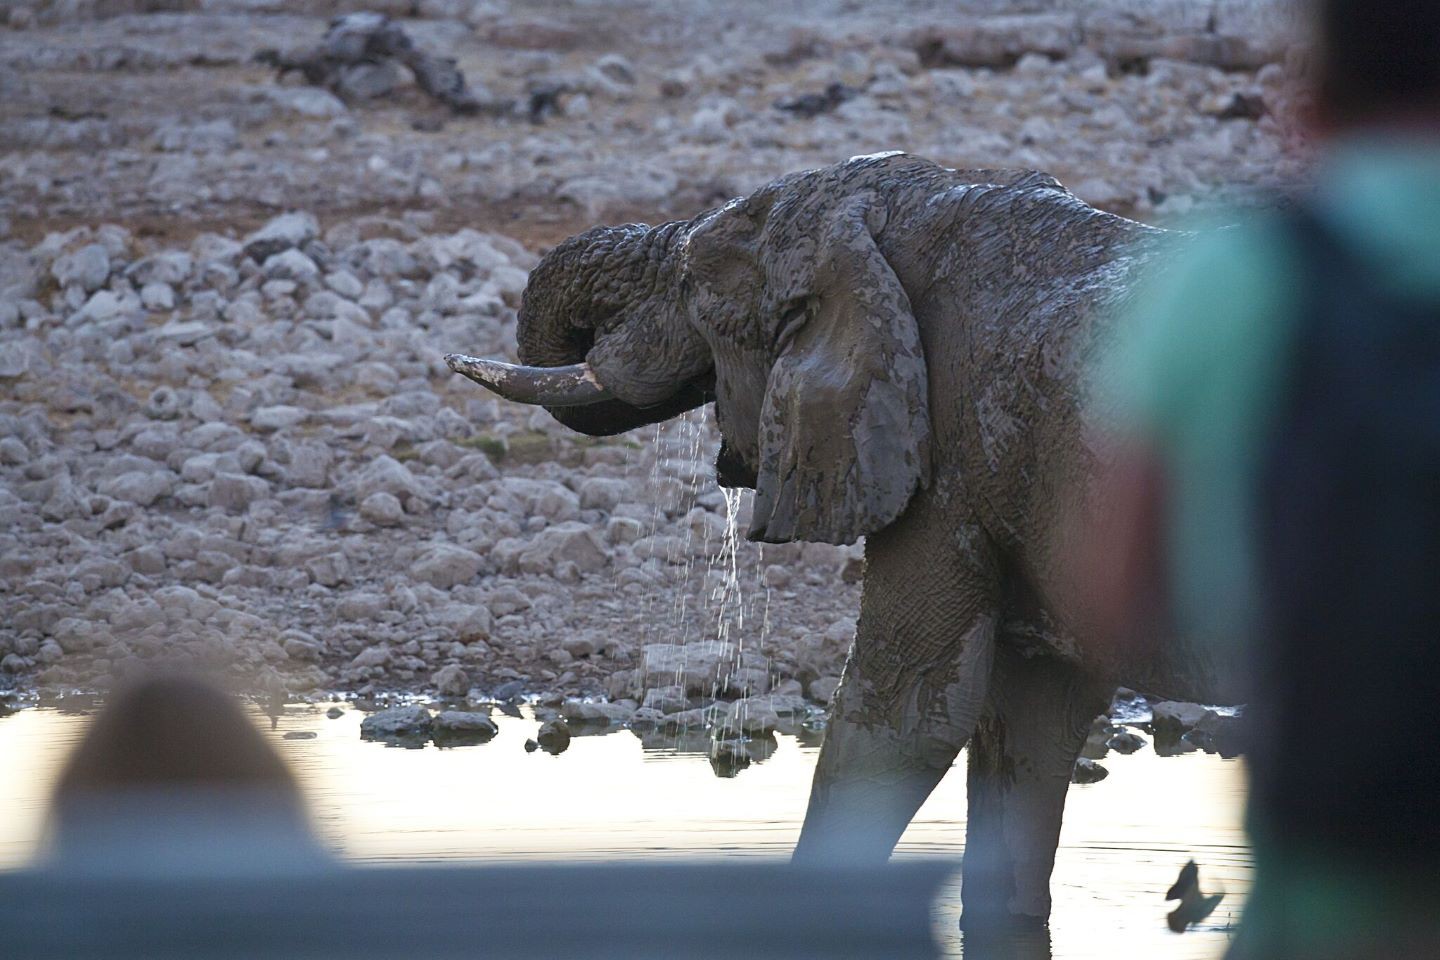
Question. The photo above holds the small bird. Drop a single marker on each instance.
(1194, 905)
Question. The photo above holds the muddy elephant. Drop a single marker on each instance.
(895, 351)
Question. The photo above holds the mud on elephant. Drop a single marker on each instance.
(894, 351)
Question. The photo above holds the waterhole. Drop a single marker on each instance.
(609, 797)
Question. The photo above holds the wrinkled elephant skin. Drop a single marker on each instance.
(895, 351)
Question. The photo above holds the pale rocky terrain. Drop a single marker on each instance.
(227, 434)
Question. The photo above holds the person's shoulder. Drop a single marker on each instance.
(1209, 311)
(1222, 280)
(1233, 258)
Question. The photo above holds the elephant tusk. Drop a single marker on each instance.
(570, 386)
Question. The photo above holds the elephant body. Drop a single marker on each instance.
(896, 350)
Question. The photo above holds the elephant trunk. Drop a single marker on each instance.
(615, 286)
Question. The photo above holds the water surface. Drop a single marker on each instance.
(607, 798)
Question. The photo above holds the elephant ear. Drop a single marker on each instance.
(845, 425)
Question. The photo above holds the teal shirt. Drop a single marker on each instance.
(1195, 372)
(1200, 360)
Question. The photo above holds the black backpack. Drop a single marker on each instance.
(1346, 731)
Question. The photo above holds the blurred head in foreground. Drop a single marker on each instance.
(173, 777)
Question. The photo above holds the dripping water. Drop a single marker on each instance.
(729, 604)
(694, 590)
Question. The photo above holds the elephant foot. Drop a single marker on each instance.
(983, 922)
(1002, 895)
(1021, 757)
(1006, 943)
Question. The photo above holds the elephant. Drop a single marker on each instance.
(897, 351)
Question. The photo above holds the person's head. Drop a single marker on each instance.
(1376, 62)
(173, 778)
(170, 736)
(173, 732)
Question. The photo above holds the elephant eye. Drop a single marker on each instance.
(792, 318)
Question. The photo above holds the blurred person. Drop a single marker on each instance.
(1270, 414)
(173, 778)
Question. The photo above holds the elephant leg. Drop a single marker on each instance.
(912, 690)
(1021, 756)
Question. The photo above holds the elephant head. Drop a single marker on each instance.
(606, 297)
(785, 308)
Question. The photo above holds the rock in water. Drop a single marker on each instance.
(667, 699)
(458, 727)
(728, 758)
(1181, 727)
(1125, 742)
(554, 737)
(1088, 771)
(1222, 733)
(509, 691)
(397, 725)
(646, 717)
(610, 714)
(750, 717)
(1175, 717)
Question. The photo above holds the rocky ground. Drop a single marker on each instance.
(226, 431)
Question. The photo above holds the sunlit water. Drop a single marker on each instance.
(607, 798)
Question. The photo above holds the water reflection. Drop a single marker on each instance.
(651, 794)
(1019, 945)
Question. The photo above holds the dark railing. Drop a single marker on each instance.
(602, 912)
